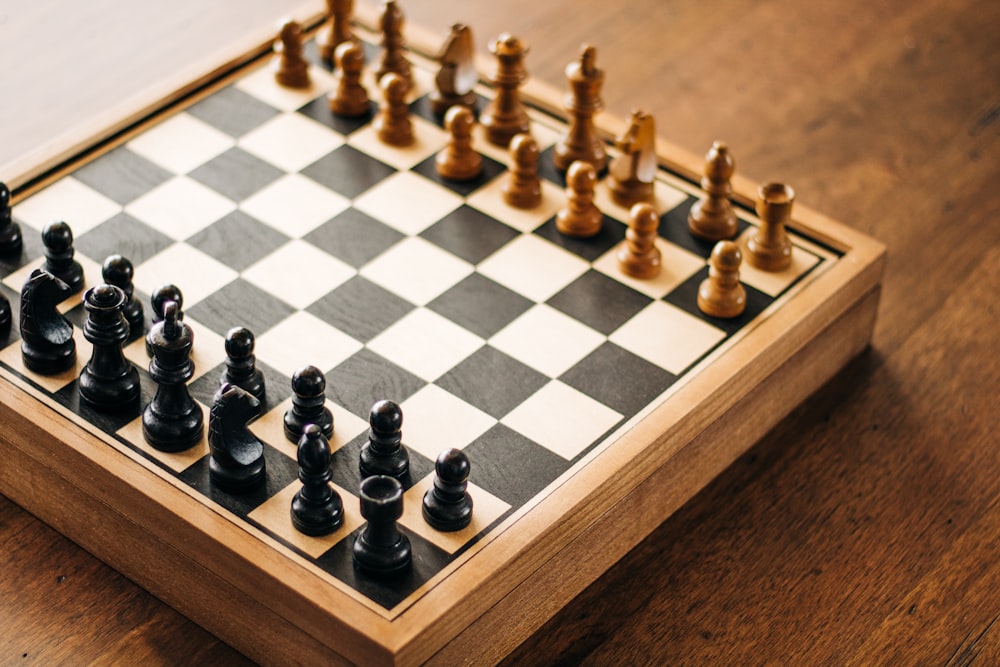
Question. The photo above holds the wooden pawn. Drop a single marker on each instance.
(580, 217)
(523, 188)
(459, 161)
(639, 257)
(721, 294)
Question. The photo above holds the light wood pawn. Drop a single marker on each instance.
(722, 294)
(293, 68)
(505, 116)
(580, 217)
(713, 217)
(639, 257)
(768, 247)
(523, 187)
(336, 30)
(393, 125)
(350, 99)
(459, 161)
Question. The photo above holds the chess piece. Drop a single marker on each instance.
(581, 142)
(384, 453)
(236, 463)
(316, 508)
(393, 54)
(241, 364)
(336, 30)
(631, 174)
(109, 381)
(118, 271)
(768, 247)
(639, 257)
(381, 550)
(293, 68)
(393, 125)
(350, 99)
(721, 294)
(447, 505)
(47, 344)
(523, 188)
(6, 318)
(459, 161)
(57, 238)
(172, 422)
(456, 78)
(308, 404)
(505, 116)
(580, 217)
(163, 295)
(10, 231)
(712, 217)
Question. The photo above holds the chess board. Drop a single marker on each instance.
(590, 404)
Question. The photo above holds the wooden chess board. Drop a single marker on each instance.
(591, 404)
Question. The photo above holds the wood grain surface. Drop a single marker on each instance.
(865, 528)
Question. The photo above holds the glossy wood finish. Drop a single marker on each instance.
(865, 527)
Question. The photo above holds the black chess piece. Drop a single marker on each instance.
(384, 453)
(308, 404)
(5, 317)
(118, 271)
(172, 422)
(57, 238)
(241, 364)
(157, 300)
(10, 231)
(237, 463)
(447, 505)
(380, 549)
(109, 381)
(47, 344)
(316, 508)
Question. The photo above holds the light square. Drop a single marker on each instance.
(667, 336)
(773, 283)
(180, 144)
(298, 273)
(547, 340)
(11, 355)
(291, 141)
(425, 344)
(408, 202)
(677, 265)
(562, 419)
(195, 273)
(416, 270)
(533, 267)
(489, 200)
(262, 85)
(270, 427)
(294, 205)
(435, 420)
(428, 139)
(180, 207)
(176, 461)
(67, 200)
(275, 515)
(303, 340)
(486, 508)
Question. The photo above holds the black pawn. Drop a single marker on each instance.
(236, 463)
(241, 365)
(308, 404)
(380, 549)
(5, 317)
(447, 505)
(47, 344)
(384, 453)
(57, 238)
(172, 422)
(119, 272)
(316, 509)
(10, 231)
(159, 298)
(108, 381)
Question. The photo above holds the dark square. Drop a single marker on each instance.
(364, 378)
(491, 169)
(122, 175)
(470, 234)
(319, 110)
(122, 235)
(612, 232)
(619, 379)
(233, 111)
(422, 107)
(281, 471)
(240, 304)
(599, 301)
(238, 240)
(360, 308)
(512, 467)
(277, 387)
(236, 174)
(347, 474)
(674, 228)
(492, 381)
(354, 237)
(685, 297)
(480, 305)
(348, 171)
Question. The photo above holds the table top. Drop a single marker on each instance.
(865, 527)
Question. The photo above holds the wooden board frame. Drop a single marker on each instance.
(274, 612)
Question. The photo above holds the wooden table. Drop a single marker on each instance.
(865, 528)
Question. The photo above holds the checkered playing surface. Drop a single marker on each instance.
(496, 334)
